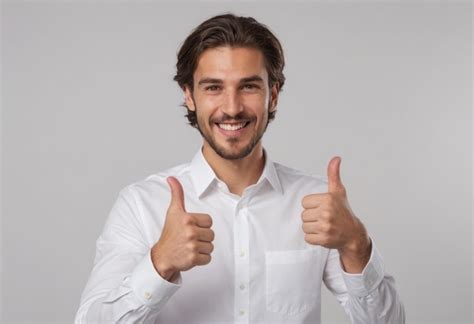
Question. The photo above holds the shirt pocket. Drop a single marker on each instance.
(291, 280)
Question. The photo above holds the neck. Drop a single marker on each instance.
(236, 174)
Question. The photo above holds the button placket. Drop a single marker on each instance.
(242, 264)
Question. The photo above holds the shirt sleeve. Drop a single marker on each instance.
(368, 297)
(124, 286)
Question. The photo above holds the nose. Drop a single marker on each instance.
(232, 104)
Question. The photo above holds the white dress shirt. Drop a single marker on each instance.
(262, 270)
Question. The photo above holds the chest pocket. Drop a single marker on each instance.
(293, 281)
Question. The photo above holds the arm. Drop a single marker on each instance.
(354, 270)
(369, 297)
(124, 286)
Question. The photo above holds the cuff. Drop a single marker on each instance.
(362, 284)
(149, 286)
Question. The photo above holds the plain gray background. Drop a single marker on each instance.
(89, 106)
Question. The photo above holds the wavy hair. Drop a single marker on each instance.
(234, 31)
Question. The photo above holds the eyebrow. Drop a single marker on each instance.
(252, 78)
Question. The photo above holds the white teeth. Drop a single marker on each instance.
(232, 127)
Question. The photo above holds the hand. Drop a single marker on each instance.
(329, 221)
(186, 238)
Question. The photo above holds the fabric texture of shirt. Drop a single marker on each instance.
(262, 270)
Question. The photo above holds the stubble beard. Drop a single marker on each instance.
(221, 151)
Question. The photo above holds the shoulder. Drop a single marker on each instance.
(156, 183)
(298, 179)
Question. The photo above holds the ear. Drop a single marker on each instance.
(274, 97)
(188, 98)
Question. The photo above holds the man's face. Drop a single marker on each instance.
(231, 99)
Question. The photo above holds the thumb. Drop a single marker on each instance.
(177, 194)
(334, 177)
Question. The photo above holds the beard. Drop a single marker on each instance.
(222, 151)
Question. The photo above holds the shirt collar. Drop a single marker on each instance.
(270, 173)
(202, 174)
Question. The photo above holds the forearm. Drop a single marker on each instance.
(368, 296)
(125, 309)
(140, 295)
(373, 298)
(355, 257)
(381, 306)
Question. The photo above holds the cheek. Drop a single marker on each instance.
(257, 100)
(209, 107)
(257, 104)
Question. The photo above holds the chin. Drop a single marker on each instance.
(232, 153)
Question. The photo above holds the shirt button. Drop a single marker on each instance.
(242, 312)
(147, 296)
(242, 254)
(242, 286)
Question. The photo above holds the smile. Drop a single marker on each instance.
(232, 127)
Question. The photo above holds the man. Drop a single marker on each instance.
(232, 236)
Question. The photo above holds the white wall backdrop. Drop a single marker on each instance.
(89, 106)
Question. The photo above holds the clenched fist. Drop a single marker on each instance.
(185, 240)
(329, 221)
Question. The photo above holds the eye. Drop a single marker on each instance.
(212, 88)
(250, 86)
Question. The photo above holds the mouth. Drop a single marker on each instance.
(232, 129)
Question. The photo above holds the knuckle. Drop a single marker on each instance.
(190, 234)
(187, 219)
(193, 258)
(325, 227)
(192, 246)
(326, 214)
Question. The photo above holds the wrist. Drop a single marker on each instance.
(165, 272)
(355, 256)
(163, 268)
(359, 246)
(358, 249)
(359, 242)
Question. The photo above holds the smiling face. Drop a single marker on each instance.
(231, 99)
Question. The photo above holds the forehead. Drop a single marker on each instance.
(230, 63)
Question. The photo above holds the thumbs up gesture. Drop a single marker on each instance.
(329, 221)
(185, 240)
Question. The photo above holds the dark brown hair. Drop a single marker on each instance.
(234, 31)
